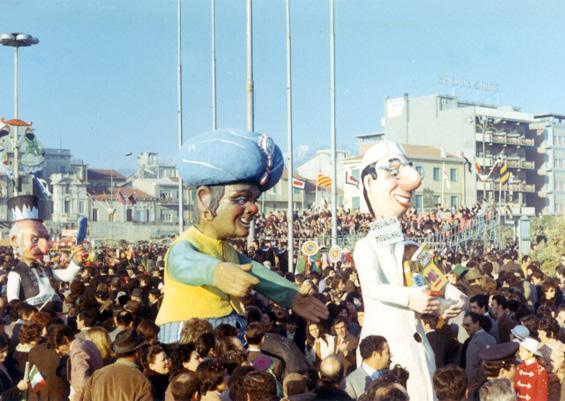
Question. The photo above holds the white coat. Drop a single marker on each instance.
(386, 313)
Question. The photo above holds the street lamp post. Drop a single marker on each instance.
(17, 40)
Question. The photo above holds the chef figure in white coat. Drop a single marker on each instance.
(391, 308)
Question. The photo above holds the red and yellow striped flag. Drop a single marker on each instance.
(323, 181)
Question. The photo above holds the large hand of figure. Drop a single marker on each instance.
(309, 308)
(78, 254)
(233, 279)
(421, 301)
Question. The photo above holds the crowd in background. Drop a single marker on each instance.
(104, 345)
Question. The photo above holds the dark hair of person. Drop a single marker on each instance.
(149, 330)
(550, 326)
(152, 352)
(260, 386)
(481, 300)
(124, 318)
(88, 316)
(225, 330)
(501, 300)
(401, 374)
(384, 389)
(531, 322)
(3, 342)
(371, 344)
(253, 314)
(232, 359)
(492, 368)
(254, 333)
(211, 374)
(235, 383)
(340, 319)
(450, 383)
(180, 353)
(309, 339)
(30, 332)
(184, 386)
(205, 343)
(59, 334)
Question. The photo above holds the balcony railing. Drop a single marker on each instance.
(504, 138)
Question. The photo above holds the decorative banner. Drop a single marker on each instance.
(310, 248)
(335, 254)
(32, 155)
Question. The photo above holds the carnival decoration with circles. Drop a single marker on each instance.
(310, 248)
(335, 254)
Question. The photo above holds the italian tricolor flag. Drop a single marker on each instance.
(37, 381)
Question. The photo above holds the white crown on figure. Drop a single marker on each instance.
(23, 207)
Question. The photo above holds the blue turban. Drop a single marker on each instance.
(228, 156)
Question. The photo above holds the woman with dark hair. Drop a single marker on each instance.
(213, 377)
(158, 366)
(319, 344)
(551, 294)
(29, 336)
(149, 330)
(553, 352)
(10, 388)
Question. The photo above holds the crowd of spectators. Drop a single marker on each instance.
(104, 345)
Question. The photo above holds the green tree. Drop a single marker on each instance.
(548, 251)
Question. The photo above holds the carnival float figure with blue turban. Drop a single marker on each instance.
(205, 277)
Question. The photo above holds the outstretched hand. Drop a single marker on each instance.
(233, 279)
(310, 308)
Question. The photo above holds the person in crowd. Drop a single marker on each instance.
(331, 378)
(260, 386)
(480, 305)
(295, 388)
(157, 369)
(345, 344)
(83, 358)
(450, 383)
(388, 180)
(319, 344)
(185, 387)
(236, 392)
(478, 340)
(388, 387)
(531, 379)
(213, 378)
(255, 336)
(499, 309)
(11, 389)
(122, 380)
(498, 390)
(123, 320)
(201, 268)
(376, 361)
(30, 280)
(101, 339)
(29, 336)
(441, 339)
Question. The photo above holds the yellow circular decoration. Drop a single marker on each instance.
(335, 254)
(310, 248)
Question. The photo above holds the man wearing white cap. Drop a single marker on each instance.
(388, 180)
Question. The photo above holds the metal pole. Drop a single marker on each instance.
(16, 127)
(290, 208)
(179, 112)
(250, 120)
(333, 128)
(213, 23)
(443, 178)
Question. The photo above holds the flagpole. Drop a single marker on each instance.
(290, 208)
(333, 127)
(250, 119)
(213, 44)
(179, 111)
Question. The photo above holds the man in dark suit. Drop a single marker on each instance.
(479, 339)
(499, 308)
(444, 345)
(479, 304)
(260, 359)
(376, 360)
(345, 344)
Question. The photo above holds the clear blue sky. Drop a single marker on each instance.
(103, 79)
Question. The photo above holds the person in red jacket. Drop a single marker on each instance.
(530, 381)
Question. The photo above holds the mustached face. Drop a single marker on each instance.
(391, 192)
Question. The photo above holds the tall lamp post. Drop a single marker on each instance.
(17, 40)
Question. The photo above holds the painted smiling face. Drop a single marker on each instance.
(391, 192)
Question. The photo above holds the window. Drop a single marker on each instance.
(148, 215)
(67, 207)
(129, 215)
(453, 174)
(419, 202)
(94, 214)
(81, 207)
(437, 174)
(355, 203)
(436, 200)
(355, 174)
(453, 202)
(296, 191)
(138, 216)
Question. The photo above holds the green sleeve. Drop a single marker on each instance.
(190, 266)
(271, 285)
